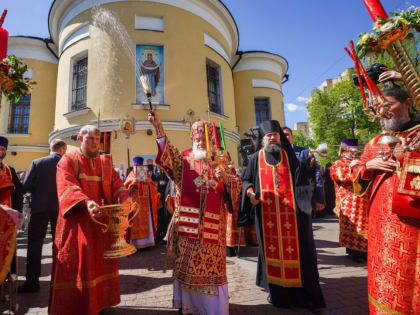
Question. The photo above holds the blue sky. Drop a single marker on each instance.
(310, 34)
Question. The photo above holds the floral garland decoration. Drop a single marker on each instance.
(12, 82)
(397, 27)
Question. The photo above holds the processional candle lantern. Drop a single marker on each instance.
(392, 42)
(4, 35)
(375, 9)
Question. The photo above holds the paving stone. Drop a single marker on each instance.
(145, 289)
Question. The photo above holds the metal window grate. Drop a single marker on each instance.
(19, 115)
(213, 89)
(262, 110)
(80, 70)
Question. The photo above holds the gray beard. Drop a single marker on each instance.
(394, 124)
(272, 147)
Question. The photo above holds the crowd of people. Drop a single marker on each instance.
(203, 211)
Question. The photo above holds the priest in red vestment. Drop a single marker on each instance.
(143, 191)
(197, 233)
(393, 178)
(350, 208)
(6, 185)
(83, 281)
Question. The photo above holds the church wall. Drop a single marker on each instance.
(245, 95)
(111, 88)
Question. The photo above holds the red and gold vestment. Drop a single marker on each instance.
(8, 232)
(197, 233)
(83, 281)
(140, 193)
(232, 229)
(279, 223)
(6, 185)
(393, 241)
(351, 209)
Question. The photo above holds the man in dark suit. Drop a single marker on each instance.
(303, 153)
(41, 182)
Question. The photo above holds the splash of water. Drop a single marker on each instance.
(108, 23)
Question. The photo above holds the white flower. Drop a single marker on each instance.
(388, 26)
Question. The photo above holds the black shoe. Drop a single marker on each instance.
(29, 288)
(278, 305)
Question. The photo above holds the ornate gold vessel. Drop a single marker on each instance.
(119, 221)
(392, 43)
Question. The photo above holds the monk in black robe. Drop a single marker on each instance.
(274, 196)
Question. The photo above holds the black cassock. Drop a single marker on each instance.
(310, 295)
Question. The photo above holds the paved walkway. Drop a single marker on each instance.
(145, 289)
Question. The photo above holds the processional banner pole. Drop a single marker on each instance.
(392, 42)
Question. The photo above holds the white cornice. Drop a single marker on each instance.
(262, 61)
(80, 32)
(264, 83)
(114, 124)
(29, 148)
(209, 41)
(213, 11)
(32, 48)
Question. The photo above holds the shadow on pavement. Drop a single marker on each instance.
(151, 259)
(264, 309)
(133, 284)
(349, 294)
(34, 300)
(127, 310)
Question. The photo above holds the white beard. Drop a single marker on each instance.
(394, 124)
(198, 154)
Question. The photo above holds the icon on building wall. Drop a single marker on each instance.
(150, 60)
(127, 125)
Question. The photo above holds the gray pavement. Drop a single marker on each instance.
(145, 289)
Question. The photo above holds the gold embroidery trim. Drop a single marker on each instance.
(413, 169)
(383, 307)
(90, 178)
(210, 236)
(212, 215)
(67, 190)
(85, 284)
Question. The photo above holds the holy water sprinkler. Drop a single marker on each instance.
(145, 83)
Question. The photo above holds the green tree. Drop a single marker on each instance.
(299, 139)
(338, 114)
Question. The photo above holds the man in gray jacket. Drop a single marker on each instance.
(41, 182)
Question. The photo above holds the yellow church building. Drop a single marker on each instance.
(87, 72)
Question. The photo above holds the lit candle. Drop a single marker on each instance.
(216, 141)
(4, 35)
(206, 130)
(375, 9)
(222, 135)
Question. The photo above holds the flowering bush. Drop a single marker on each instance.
(12, 82)
(370, 44)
